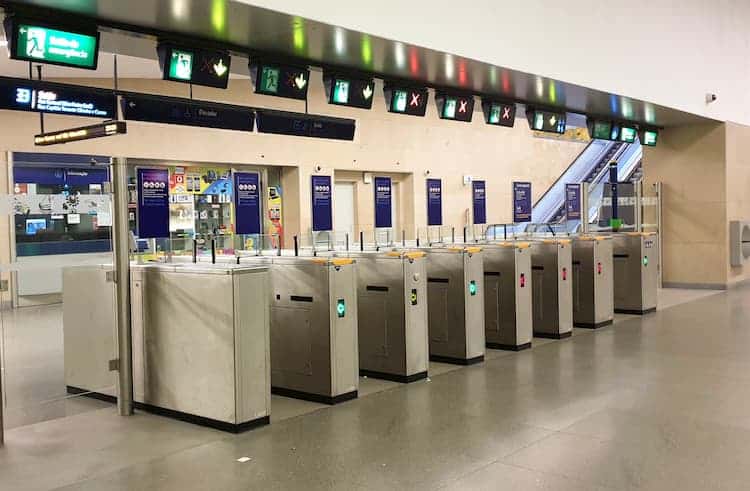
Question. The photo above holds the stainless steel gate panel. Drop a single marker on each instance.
(508, 292)
(592, 282)
(551, 263)
(635, 272)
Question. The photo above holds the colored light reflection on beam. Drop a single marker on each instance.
(449, 72)
(650, 113)
(493, 76)
(340, 41)
(413, 61)
(614, 106)
(627, 108)
(298, 35)
(539, 87)
(180, 9)
(552, 91)
(366, 50)
(219, 15)
(400, 55)
(463, 77)
(506, 81)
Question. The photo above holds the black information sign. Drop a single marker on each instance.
(187, 112)
(404, 100)
(499, 113)
(295, 124)
(194, 66)
(456, 107)
(546, 121)
(352, 92)
(47, 97)
(280, 80)
(108, 128)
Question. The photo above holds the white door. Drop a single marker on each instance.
(343, 210)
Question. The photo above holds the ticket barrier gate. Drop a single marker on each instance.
(314, 346)
(552, 287)
(593, 295)
(455, 296)
(507, 295)
(392, 314)
(635, 272)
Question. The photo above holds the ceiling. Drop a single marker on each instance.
(247, 29)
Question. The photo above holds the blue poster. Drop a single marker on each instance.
(383, 202)
(153, 203)
(521, 202)
(322, 205)
(247, 202)
(573, 201)
(434, 202)
(479, 200)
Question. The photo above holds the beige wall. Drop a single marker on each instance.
(384, 142)
(690, 162)
(738, 186)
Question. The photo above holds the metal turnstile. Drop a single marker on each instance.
(455, 296)
(314, 347)
(392, 314)
(636, 257)
(592, 282)
(201, 343)
(552, 287)
(507, 295)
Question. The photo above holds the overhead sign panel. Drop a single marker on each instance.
(187, 112)
(280, 80)
(294, 124)
(404, 100)
(600, 129)
(194, 66)
(53, 98)
(41, 42)
(499, 113)
(649, 137)
(546, 121)
(628, 134)
(456, 108)
(83, 133)
(352, 92)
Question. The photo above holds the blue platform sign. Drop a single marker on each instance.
(247, 202)
(521, 202)
(383, 202)
(322, 204)
(573, 201)
(153, 203)
(479, 201)
(434, 202)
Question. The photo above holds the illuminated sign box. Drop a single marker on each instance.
(600, 129)
(309, 125)
(628, 134)
(41, 42)
(280, 80)
(53, 98)
(546, 121)
(499, 113)
(194, 66)
(187, 112)
(351, 92)
(405, 100)
(455, 107)
(100, 130)
(650, 137)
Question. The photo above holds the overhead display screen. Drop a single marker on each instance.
(194, 66)
(601, 130)
(457, 108)
(403, 100)
(628, 134)
(43, 43)
(280, 80)
(47, 97)
(83, 133)
(547, 121)
(187, 112)
(352, 92)
(499, 113)
(650, 138)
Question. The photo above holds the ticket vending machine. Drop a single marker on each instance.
(593, 295)
(507, 295)
(636, 256)
(552, 286)
(455, 296)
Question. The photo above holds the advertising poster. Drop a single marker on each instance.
(573, 201)
(383, 202)
(273, 214)
(479, 201)
(322, 204)
(247, 202)
(153, 203)
(200, 180)
(434, 202)
(521, 202)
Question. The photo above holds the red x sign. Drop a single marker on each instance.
(506, 113)
(462, 106)
(415, 96)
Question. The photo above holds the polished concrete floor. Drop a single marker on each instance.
(649, 403)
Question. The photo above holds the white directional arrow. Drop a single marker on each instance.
(300, 81)
(220, 68)
(367, 92)
(552, 121)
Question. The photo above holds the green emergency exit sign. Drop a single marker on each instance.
(37, 43)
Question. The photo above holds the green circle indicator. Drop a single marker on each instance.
(472, 288)
(341, 307)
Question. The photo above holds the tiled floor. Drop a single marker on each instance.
(653, 402)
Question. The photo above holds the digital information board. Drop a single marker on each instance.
(279, 80)
(43, 43)
(403, 100)
(82, 133)
(456, 108)
(352, 92)
(628, 134)
(194, 66)
(187, 112)
(499, 113)
(47, 97)
(547, 121)
(650, 138)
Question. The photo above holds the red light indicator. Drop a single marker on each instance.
(415, 96)
(598, 268)
(506, 113)
(565, 274)
(522, 280)
(413, 61)
(463, 106)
